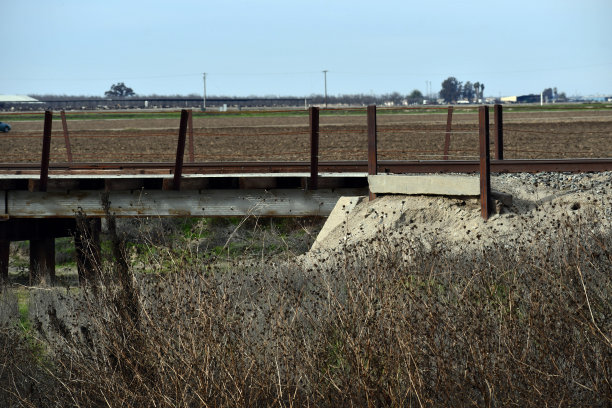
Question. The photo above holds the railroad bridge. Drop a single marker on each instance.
(42, 202)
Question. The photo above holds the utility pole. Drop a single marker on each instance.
(204, 100)
(325, 77)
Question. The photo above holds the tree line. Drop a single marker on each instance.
(452, 91)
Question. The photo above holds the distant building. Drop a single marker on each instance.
(10, 101)
(531, 98)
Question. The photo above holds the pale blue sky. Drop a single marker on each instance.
(275, 47)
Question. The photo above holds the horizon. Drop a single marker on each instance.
(274, 48)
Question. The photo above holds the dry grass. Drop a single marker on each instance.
(381, 324)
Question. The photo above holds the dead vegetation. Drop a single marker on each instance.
(526, 325)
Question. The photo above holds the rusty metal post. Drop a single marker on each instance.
(180, 150)
(499, 132)
(66, 137)
(191, 143)
(485, 162)
(314, 147)
(4, 260)
(372, 144)
(46, 151)
(449, 122)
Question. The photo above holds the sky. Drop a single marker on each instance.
(281, 48)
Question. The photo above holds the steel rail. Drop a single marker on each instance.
(384, 166)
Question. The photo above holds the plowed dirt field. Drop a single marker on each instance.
(558, 134)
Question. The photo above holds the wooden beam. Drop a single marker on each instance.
(42, 261)
(24, 229)
(5, 246)
(188, 203)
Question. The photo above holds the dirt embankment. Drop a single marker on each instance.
(543, 206)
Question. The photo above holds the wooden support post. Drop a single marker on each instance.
(42, 261)
(180, 150)
(499, 132)
(66, 136)
(449, 122)
(372, 144)
(4, 260)
(314, 148)
(485, 162)
(88, 250)
(46, 151)
(191, 142)
(42, 250)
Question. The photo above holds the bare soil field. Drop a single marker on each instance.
(557, 134)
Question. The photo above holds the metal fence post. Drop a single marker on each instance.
(66, 137)
(499, 132)
(46, 151)
(485, 162)
(180, 150)
(372, 144)
(191, 143)
(314, 147)
(449, 121)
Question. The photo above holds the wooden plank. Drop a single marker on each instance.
(194, 203)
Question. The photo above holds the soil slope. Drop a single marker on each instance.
(544, 206)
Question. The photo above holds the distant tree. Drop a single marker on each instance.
(395, 97)
(415, 97)
(481, 91)
(548, 94)
(468, 91)
(120, 90)
(451, 90)
(477, 90)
